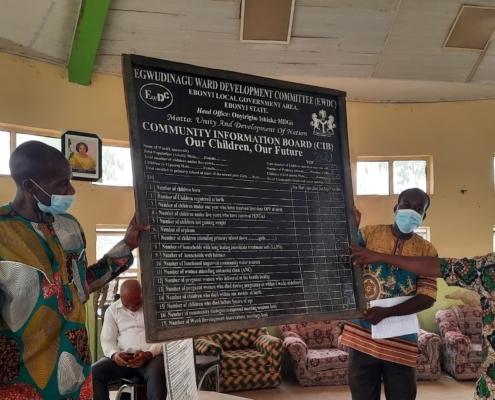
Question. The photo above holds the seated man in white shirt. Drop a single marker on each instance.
(121, 335)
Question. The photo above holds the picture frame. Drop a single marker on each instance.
(84, 153)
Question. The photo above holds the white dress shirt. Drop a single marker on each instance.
(123, 330)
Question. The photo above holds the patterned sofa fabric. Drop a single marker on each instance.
(460, 330)
(319, 358)
(316, 353)
(428, 364)
(249, 359)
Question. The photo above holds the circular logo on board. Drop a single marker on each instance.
(156, 96)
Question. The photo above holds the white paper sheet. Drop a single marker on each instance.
(394, 326)
(180, 370)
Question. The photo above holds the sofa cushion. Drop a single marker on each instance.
(474, 355)
(321, 334)
(469, 318)
(246, 372)
(324, 360)
(244, 359)
(238, 339)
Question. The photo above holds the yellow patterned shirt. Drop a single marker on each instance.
(382, 281)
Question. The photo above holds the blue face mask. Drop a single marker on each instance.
(407, 220)
(59, 203)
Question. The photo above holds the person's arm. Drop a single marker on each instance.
(418, 303)
(156, 349)
(109, 332)
(425, 266)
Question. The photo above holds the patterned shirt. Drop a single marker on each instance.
(478, 274)
(383, 281)
(44, 283)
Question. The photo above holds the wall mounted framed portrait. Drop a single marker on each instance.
(83, 150)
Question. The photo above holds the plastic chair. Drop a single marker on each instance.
(208, 364)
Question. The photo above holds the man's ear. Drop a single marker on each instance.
(424, 216)
(395, 208)
(29, 186)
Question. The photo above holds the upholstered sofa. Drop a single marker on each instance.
(461, 333)
(319, 358)
(249, 359)
(316, 353)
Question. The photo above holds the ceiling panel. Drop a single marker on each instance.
(485, 73)
(362, 43)
(171, 23)
(212, 8)
(383, 5)
(414, 47)
(44, 26)
(334, 22)
(326, 40)
(441, 7)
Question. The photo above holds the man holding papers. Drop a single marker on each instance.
(396, 294)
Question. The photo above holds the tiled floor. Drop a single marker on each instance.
(446, 388)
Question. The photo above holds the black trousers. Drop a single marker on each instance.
(106, 371)
(365, 373)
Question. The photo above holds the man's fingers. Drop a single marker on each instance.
(142, 227)
(133, 220)
(354, 251)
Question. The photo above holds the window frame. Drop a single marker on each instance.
(390, 160)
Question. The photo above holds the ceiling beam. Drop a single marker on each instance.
(86, 40)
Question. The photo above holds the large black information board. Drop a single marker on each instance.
(246, 184)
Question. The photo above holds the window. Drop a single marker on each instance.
(106, 238)
(10, 138)
(26, 137)
(372, 177)
(116, 159)
(392, 175)
(424, 232)
(116, 166)
(4, 152)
